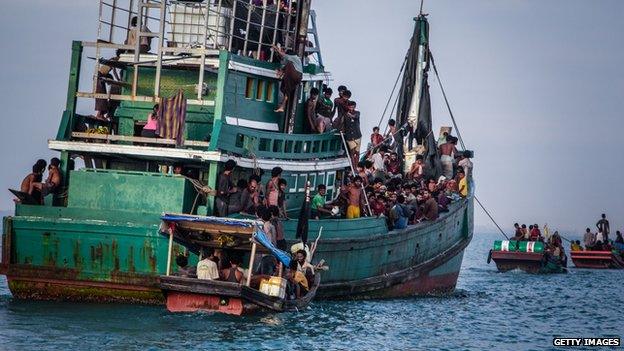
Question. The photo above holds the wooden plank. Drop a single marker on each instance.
(133, 139)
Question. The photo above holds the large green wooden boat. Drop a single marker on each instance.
(99, 239)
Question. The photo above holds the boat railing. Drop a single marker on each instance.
(262, 144)
(189, 33)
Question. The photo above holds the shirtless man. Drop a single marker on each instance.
(53, 181)
(447, 151)
(32, 178)
(354, 192)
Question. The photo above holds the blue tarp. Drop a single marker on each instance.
(201, 219)
(261, 238)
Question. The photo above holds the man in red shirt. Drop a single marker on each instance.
(535, 233)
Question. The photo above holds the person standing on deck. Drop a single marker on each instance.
(250, 199)
(465, 164)
(310, 109)
(272, 187)
(353, 134)
(354, 193)
(341, 105)
(280, 241)
(324, 111)
(603, 226)
(291, 74)
(447, 152)
(318, 207)
(225, 187)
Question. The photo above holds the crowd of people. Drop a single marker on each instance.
(225, 265)
(553, 243)
(378, 187)
(592, 241)
(598, 241)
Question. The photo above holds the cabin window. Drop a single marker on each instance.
(260, 90)
(331, 179)
(249, 93)
(312, 179)
(270, 90)
(278, 145)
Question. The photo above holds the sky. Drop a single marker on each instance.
(536, 87)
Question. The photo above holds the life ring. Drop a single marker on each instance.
(489, 259)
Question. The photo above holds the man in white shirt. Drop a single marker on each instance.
(379, 163)
(207, 268)
(466, 164)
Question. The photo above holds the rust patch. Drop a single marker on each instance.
(76, 255)
(115, 254)
(148, 255)
(131, 267)
(97, 255)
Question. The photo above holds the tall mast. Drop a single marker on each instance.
(421, 66)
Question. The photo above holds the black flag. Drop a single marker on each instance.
(304, 216)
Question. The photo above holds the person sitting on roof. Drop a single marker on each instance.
(34, 177)
(184, 270)
(207, 268)
(53, 182)
(291, 73)
(234, 274)
(151, 127)
(297, 282)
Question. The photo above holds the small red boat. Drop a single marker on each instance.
(597, 260)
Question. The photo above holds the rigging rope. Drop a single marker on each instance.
(396, 82)
(448, 106)
(493, 221)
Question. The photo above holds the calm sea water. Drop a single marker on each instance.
(490, 310)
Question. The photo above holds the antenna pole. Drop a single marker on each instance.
(421, 6)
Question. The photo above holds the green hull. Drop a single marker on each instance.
(64, 253)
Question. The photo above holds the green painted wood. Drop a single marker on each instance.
(66, 125)
(137, 191)
(263, 144)
(224, 57)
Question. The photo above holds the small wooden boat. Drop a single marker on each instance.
(184, 294)
(527, 256)
(597, 259)
(190, 295)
